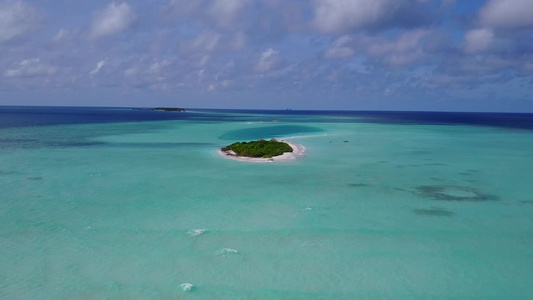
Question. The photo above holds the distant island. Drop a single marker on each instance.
(173, 109)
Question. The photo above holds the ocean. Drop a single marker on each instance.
(117, 203)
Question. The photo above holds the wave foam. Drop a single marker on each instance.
(196, 232)
(186, 286)
(224, 251)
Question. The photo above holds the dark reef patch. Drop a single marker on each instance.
(433, 212)
(420, 152)
(453, 193)
(468, 172)
(435, 164)
(357, 184)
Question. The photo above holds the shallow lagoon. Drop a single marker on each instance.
(376, 210)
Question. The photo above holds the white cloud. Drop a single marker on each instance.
(131, 72)
(157, 67)
(30, 67)
(403, 50)
(209, 41)
(227, 83)
(183, 7)
(16, 19)
(99, 65)
(340, 15)
(206, 41)
(153, 71)
(507, 14)
(60, 35)
(340, 48)
(268, 60)
(204, 60)
(478, 40)
(112, 20)
(225, 12)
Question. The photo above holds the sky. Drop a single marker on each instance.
(432, 55)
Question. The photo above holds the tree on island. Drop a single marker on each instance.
(259, 148)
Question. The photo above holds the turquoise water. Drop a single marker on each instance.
(374, 211)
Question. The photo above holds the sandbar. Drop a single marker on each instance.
(297, 153)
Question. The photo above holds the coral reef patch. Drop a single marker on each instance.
(453, 193)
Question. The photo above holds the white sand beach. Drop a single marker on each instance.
(298, 152)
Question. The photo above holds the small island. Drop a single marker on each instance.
(263, 151)
(259, 148)
(172, 109)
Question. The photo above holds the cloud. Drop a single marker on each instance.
(182, 7)
(114, 19)
(340, 48)
(17, 19)
(405, 49)
(152, 73)
(478, 40)
(60, 35)
(228, 83)
(206, 41)
(268, 60)
(225, 12)
(209, 41)
(337, 16)
(131, 72)
(99, 65)
(156, 67)
(29, 68)
(507, 14)
(279, 16)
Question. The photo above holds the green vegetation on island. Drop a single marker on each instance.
(175, 109)
(259, 148)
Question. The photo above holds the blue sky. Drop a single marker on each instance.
(451, 55)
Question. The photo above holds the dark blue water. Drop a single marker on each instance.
(504, 120)
(18, 116)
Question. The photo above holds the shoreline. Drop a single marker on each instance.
(297, 153)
